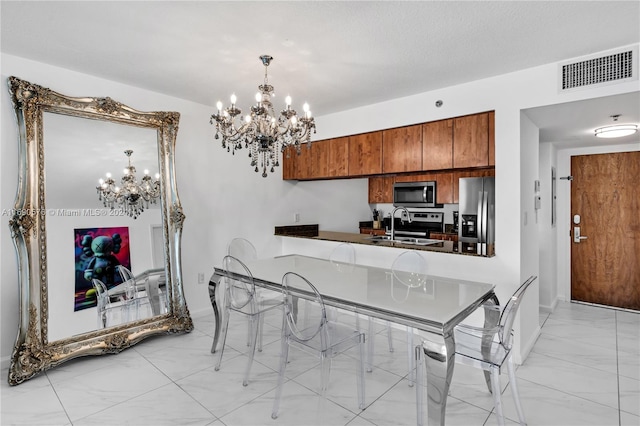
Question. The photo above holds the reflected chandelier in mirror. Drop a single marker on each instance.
(132, 197)
(33, 352)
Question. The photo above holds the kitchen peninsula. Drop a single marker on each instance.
(369, 240)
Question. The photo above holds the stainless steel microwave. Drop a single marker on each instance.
(414, 194)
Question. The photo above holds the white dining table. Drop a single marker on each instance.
(434, 308)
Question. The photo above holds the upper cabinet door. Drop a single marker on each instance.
(471, 141)
(319, 159)
(339, 157)
(365, 154)
(289, 164)
(492, 138)
(437, 145)
(402, 149)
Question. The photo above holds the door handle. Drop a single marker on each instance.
(576, 235)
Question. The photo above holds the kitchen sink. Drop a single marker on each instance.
(416, 241)
(403, 240)
(376, 238)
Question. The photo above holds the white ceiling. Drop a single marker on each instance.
(334, 55)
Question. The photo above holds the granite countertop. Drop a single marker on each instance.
(347, 237)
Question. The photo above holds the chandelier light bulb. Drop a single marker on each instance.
(157, 176)
(116, 189)
(305, 107)
(108, 175)
(264, 132)
(146, 172)
(219, 106)
(125, 171)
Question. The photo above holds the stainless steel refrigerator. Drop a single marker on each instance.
(476, 229)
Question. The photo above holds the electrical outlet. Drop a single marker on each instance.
(296, 217)
(200, 277)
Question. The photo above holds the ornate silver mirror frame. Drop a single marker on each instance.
(33, 353)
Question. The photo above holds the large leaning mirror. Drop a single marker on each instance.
(98, 261)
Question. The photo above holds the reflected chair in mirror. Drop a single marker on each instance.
(109, 313)
(410, 270)
(318, 336)
(135, 294)
(241, 297)
(157, 297)
(488, 349)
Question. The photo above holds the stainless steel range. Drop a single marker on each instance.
(422, 224)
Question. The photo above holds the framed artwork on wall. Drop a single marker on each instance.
(97, 253)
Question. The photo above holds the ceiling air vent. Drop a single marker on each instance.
(600, 70)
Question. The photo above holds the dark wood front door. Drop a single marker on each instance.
(605, 193)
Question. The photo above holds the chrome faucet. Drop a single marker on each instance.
(393, 220)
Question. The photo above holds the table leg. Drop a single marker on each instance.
(213, 284)
(491, 319)
(439, 354)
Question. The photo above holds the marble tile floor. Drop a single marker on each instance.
(583, 370)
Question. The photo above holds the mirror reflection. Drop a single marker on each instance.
(106, 261)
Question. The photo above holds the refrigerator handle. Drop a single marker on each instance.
(485, 219)
(479, 223)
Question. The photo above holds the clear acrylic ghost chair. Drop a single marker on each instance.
(343, 257)
(106, 308)
(243, 250)
(241, 297)
(135, 295)
(157, 298)
(410, 269)
(488, 349)
(318, 336)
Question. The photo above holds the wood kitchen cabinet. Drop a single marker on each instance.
(402, 149)
(365, 154)
(437, 145)
(381, 189)
(471, 141)
(289, 163)
(325, 159)
(338, 157)
(443, 236)
(492, 138)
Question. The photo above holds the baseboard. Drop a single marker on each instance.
(549, 309)
(526, 349)
(5, 362)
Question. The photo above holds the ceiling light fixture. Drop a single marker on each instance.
(262, 132)
(132, 197)
(616, 130)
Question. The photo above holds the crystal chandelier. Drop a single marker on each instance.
(132, 197)
(262, 132)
